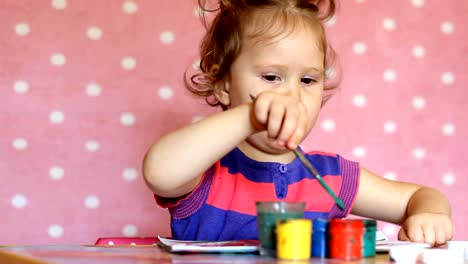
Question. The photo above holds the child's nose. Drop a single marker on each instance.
(294, 90)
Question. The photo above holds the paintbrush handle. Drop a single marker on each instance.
(314, 172)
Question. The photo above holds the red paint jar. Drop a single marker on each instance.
(346, 238)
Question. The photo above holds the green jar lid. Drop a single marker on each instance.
(370, 222)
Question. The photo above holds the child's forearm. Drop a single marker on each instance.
(173, 165)
(428, 200)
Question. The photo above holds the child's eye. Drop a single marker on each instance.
(307, 80)
(271, 77)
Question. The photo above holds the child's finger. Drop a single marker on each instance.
(429, 234)
(275, 119)
(414, 232)
(402, 235)
(448, 229)
(289, 125)
(298, 134)
(293, 143)
(261, 109)
(440, 236)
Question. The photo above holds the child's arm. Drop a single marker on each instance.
(174, 165)
(423, 213)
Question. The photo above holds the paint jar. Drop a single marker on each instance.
(268, 214)
(368, 241)
(346, 238)
(320, 238)
(293, 239)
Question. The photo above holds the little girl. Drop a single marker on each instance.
(209, 174)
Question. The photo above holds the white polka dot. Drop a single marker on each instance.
(390, 175)
(330, 73)
(359, 152)
(110, 243)
(128, 63)
(56, 173)
(419, 51)
(56, 117)
(419, 102)
(359, 48)
(94, 33)
(448, 129)
(22, 29)
(418, 3)
(21, 87)
(389, 127)
(20, 143)
(59, 4)
(130, 174)
(331, 21)
(360, 1)
(55, 231)
(129, 230)
(328, 125)
(133, 244)
(93, 89)
(58, 59)
(127, 119)
(447, 78)
(389, 75)
(167, 37)
(419, 153)
(129, 7)
(389, 24)
(19, 201)
(91, 202)
(389, 230)
(166, 92)
(447, 27)
(92, 146)
(360, 100)
(448, 178)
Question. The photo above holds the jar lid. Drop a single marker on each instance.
(279, 206)
(347, 223)
(320, 223)
(370, 222)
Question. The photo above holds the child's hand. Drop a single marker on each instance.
(283, 117)
(432, 228)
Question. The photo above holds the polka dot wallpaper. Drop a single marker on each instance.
(87, 86)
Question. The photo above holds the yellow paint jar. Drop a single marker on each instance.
(293, 238)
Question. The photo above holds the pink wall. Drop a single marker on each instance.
(86, 86)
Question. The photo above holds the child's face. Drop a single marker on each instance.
(292, 64)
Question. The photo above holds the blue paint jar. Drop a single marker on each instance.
(320, 238)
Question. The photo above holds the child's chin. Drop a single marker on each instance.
(268, 144)
(275, 147)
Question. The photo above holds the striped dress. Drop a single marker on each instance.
(222, 206)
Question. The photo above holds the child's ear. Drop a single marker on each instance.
(221, 91)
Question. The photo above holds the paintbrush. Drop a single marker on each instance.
(315, 173)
